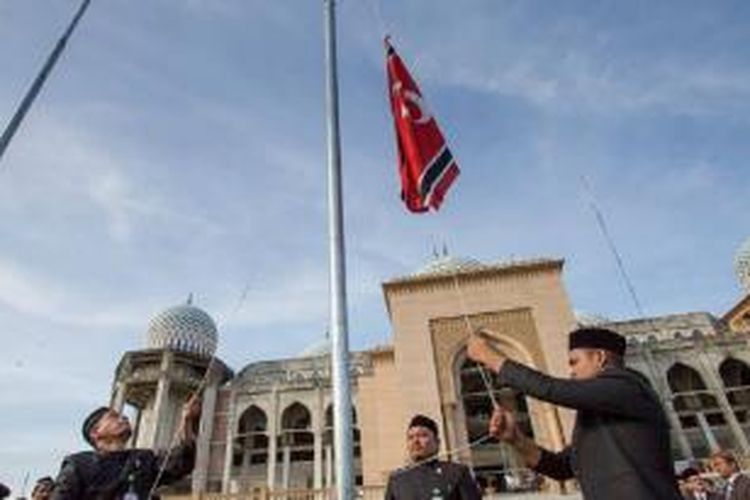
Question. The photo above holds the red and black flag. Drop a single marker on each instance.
(425, 163)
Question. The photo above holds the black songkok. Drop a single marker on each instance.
(597, 338)
(90, 422)
(422, 421)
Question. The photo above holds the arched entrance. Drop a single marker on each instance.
(495, 464)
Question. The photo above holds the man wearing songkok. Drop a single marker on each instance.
(737, 485)
(620, 445)
(113, 471)
(696, 487)
(426, 477)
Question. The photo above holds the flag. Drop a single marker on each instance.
(426, 165)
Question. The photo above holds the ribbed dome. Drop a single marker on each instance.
(183, 328)
(449, 264)
(742, 265)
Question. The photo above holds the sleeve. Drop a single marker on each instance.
(468, 489)
(390, 489)
(607, 393)
(557, 466)
(68, 485)
(180, 461)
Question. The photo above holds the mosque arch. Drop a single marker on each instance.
(735, 375)
(296, 432)
(495, 464)
(697, 408)
(251, 441)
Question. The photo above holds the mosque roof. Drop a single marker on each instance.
(449, 265)
(183, 328)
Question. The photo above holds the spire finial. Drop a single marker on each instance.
(189, 300)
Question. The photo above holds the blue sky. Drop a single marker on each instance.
(179, 147)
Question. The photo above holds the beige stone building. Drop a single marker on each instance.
(270, 424)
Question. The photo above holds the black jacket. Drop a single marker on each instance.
(434, 479)
(91, 475)
(620, 447)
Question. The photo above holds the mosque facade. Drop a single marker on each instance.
(269, 425)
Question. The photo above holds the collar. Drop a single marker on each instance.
(733, 478)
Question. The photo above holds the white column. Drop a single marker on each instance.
(319, 424)
(205, 433)
(118, 398)
(273, 431)
(329, 466)
(713, 445)
(286, 466)
(229, 444)
(162, 422)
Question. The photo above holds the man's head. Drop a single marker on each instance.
(590, 350)
(4, 491)
(43, 488)
(422, 438)
(724, 463)
(693, 481)
(106, 429)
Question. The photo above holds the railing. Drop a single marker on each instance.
(363, 493)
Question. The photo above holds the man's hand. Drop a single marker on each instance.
(480, 350)
(191, 415)
(503, 425)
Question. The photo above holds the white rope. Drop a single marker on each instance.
(378, 14)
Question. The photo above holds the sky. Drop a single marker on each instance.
(179, 147)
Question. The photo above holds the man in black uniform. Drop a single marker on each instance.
(620, 447)
(114, 472)
(428, 478)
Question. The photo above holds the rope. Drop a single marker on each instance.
(378, 14)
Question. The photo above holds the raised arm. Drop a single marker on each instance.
(612, 392)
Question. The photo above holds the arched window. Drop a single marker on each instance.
(251, 443)
(691, 396)
(296, 432)
(328, 430)
(736, 377)
(493, 462)
(699, 413)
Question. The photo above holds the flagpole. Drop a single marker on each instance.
(342, 405)
(38, 82)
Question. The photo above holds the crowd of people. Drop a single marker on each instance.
(619, 449)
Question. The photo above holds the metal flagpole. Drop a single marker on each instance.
(342, 405)
(36, 85)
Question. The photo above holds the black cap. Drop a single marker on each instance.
(689, 472)
(597, 338)
(4, 491)
(423, 421)
(90, 422)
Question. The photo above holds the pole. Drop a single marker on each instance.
(38, 82)
(342, 405)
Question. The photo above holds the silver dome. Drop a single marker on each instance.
(183, 328)
(742, 265)
(449, 264)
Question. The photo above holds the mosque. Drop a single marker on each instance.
(269, 424)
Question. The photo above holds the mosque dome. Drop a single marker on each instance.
(183, 328)
(319, 348)
(742, 265)
(585, 319)
(448, 264)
